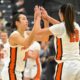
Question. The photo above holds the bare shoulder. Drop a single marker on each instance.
(12, 38)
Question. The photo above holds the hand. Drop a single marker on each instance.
(44, 13)
(51, 58)
(37, 12)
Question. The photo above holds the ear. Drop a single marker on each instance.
(17, 23)
(61, 17)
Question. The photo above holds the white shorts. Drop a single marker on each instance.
(68, 70)
(30, 72)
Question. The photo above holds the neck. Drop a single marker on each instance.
(21, 32)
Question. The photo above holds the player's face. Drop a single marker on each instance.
(4, 37)
(23, 22)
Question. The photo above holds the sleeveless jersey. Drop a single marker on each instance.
(67, 47)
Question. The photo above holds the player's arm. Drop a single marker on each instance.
(48, 18)
(46, 25)
(17, 39)
(52, 20)
(56, 30)
(41, 34)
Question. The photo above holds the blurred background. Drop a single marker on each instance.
(8, 8)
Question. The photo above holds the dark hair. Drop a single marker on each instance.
(16, 18)
(68, 12)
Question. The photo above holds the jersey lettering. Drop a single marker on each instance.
(74, 37)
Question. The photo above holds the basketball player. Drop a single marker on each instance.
(67, 33)
(18, 41)
(33, 66)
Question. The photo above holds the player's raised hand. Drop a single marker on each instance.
(44, 13)
(37, 12)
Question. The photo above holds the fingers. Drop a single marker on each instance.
(36, 8)
(40, 12)
(42, 9)
(37, 12)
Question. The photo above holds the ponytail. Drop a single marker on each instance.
(68, 12)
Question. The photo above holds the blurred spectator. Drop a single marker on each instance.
(43, 56)
(51, 63)
(1, 58)
(18, 6)
(3, 21)
(4, 39)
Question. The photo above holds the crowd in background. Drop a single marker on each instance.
(47, 48)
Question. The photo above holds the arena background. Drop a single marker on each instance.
(7, 6)
(10, 7)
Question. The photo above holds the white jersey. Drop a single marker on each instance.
(5, 50)
(32, 62)
(17, 54)
(6, 61)
(67, 48)
(7, 55)
(33, 66)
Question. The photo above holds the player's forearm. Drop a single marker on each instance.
(52, 20)
(37, 23)
(36, 27)
(46, 25)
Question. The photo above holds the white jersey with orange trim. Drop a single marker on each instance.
(33, 66)
(67, 56)
(17, 54)
(17, 64)
(69, 47)
(7, 53)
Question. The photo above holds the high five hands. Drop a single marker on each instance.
(40, 12)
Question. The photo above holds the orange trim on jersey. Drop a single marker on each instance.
(59, 49)
(59, 72)
(37, 77)
(12, 64)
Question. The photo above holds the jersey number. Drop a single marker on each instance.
(74, 37)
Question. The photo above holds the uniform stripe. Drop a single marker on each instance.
(59, 57)
(37, 77)
(59, 49)
(13, 56)
(59, 72)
